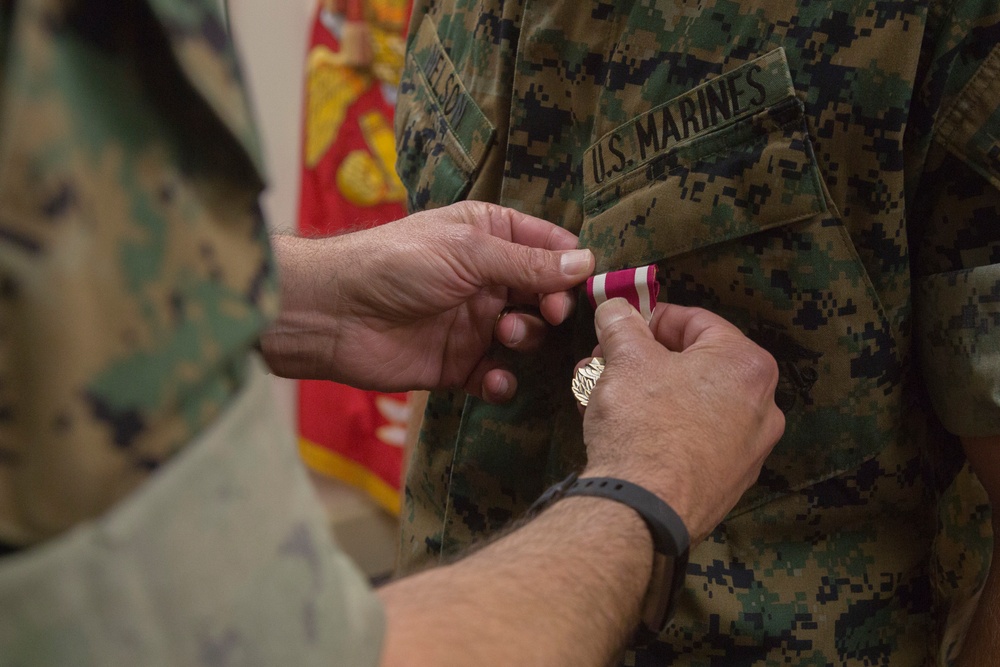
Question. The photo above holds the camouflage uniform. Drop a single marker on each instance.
(135, 276)
(824, 174)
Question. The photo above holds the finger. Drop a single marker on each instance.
(529, 230)
(680, 327)
(499, 386)
(527, 269)
(491, 381)
(619, 327)
(523, 332)
(557, 307)
(522, 298)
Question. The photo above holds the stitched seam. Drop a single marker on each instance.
(974, 92)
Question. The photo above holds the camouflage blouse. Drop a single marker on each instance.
(824, 174)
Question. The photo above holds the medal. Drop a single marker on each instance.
(586, 378)
(640, 288)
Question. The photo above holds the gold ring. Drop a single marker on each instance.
(585, 379)
(503, 311)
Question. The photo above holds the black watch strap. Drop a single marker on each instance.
(670, 541)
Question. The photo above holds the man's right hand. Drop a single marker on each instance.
(685, 408)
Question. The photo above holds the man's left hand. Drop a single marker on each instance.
(417, 303)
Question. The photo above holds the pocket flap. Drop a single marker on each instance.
(702, 183)
(442, 135)
(971, 128)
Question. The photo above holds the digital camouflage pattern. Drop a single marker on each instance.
(134, 269)
(224, 558)
(825, 175)
(135, 276)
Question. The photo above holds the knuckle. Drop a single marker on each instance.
(702, 318)
(537, 261)
(463, 234)
(761, 367)
(629, 356)
(777, 423)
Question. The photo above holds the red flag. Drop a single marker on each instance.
(349, 182)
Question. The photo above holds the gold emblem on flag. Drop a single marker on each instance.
(586, 378)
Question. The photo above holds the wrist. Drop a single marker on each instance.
(669, 536)
(664, 484)
(301, 342)
(294, 347)
(625, 547)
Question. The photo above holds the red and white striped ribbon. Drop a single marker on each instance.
(637, 286)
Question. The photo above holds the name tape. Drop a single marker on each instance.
(714, 104)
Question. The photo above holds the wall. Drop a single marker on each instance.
(272, 39)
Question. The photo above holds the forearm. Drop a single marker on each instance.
(563, 590)
(982, 642)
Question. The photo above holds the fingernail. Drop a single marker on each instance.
(569, 304)
(576, 262)
(517, 332)
(611, 311)
(503, 387)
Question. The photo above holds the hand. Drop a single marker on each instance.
(415, 304)
(692, 420)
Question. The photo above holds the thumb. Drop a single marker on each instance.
(532, 269)
(619, 326)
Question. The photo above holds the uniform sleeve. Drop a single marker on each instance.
(956, 246)
(223, 557)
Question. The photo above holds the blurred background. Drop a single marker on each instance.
(321, 75)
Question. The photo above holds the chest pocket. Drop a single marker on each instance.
(719, 187)
(442, 136)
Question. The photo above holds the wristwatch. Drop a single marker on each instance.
(670, 543)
